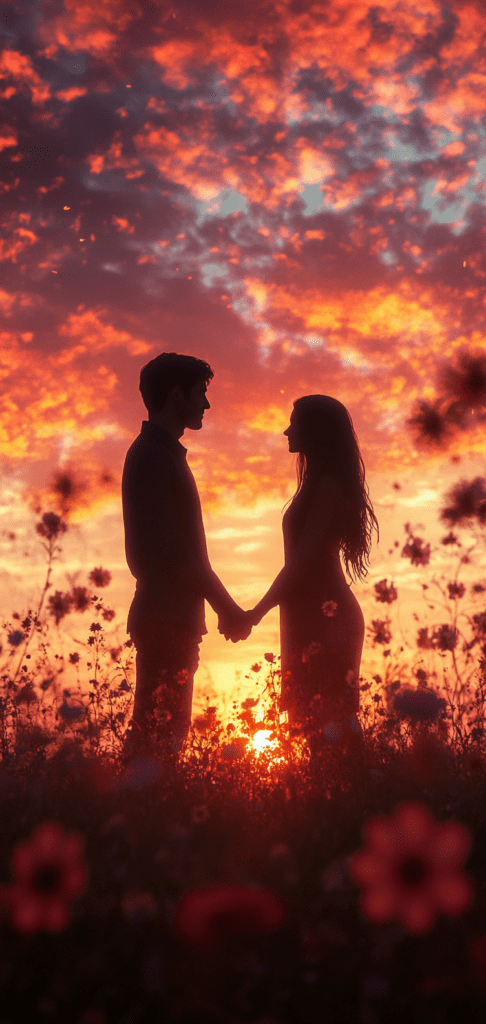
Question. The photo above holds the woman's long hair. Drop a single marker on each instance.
(325, 431)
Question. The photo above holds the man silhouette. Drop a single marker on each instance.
(166, 551)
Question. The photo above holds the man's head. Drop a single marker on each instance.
(173, 388)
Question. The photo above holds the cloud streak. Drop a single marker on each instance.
(294, 192)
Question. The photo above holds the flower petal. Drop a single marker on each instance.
(55, 917)
(417, 914)
(74, 880)
(414, 826)
(378, 834)
(366, 868)
(23, 860)
(453, 893)
(379, 903)
(452, 844)
(25, 913)
(47, 837)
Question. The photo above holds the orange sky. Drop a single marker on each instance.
(292, 191)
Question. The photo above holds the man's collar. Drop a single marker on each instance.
(164, 436)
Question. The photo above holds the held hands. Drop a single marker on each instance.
(239, 625)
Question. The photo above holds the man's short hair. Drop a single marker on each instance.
(167, 370)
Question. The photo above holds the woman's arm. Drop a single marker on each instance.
(308, 550)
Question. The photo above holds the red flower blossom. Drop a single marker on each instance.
(51, 525)
(60, 605)
(445, 637)
(100, 577)
(385, 594)
(81, 598)
(108, 614)
(382, 631)
(410, 868)
(219, 913)
(424, 640)
(416, 550)
(456, 590)
(48, 872)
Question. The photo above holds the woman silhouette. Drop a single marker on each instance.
(321, 623)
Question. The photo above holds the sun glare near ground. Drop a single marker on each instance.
(261, 741)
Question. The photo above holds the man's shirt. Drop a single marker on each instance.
(163, 528)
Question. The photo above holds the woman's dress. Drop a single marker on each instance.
(320, 646)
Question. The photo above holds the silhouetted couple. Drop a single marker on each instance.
(321, 623)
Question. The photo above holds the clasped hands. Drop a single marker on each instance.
(238, 625)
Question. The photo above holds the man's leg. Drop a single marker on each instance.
(167, 659)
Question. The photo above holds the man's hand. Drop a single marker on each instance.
(237, 626)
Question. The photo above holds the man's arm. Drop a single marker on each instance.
(155, 530)
(202, 579)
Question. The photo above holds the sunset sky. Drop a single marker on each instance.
(294, 192)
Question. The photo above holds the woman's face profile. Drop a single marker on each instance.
(291, 433)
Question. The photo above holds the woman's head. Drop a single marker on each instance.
(321, 430)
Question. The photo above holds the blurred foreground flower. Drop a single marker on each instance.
(48, 872)
(220, 913)
(421, 705)
(410, 868)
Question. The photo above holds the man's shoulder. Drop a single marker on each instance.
(147, 451)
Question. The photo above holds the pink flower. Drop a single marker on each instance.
(48, 872)
(219, 913)
(410, 868)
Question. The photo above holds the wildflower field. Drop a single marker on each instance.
(243, 881)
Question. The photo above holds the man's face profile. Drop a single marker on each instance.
(196, 405)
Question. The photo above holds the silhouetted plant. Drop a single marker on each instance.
(267, 842)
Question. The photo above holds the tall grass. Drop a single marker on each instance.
(240, 822)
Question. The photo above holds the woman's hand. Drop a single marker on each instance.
(236, 627)
(255, 615)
